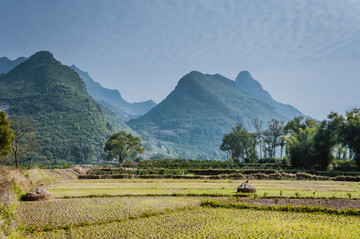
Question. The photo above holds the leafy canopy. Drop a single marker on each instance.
(240, 143)
(6, 135)
(123, 146)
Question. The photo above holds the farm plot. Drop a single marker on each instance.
(220, 223)
(63, 213)
(224, 187)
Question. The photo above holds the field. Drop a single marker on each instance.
(220, 223)
(224, 187)
(170, 208)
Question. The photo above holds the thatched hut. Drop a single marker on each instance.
(246, 188)
(38, 194)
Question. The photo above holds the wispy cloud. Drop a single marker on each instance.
(144, 47)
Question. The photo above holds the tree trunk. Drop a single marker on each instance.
(15, 151)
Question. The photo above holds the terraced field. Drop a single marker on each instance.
(65, 213)
(224, 187)
(220, 223)
(137, 208)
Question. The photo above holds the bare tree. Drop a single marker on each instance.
(24, 141)
(258, 133)
(272, 136)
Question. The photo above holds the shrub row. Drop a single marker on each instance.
(272, 176)
(287, 208)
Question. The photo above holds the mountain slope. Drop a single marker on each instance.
(113, 100)
(192, 120)
(253, 88)
(6, 64)
(71, 126)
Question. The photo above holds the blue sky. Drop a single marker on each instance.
(305, 53)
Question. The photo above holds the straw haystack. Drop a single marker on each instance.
(246, 188)
(38, 194)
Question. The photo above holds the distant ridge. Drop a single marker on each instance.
(253, 88)
(113, 99)
(6, 64)
(193, 118)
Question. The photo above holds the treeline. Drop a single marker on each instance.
(300, 143)
(182, 164)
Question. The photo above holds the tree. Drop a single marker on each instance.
(300, 141)
(24, 141)
(350, 133)
(324, 142)
(258, 133)
(240, 143)
(272, 136)
(301, 147)
(326, 138)
(6, 135)
(122, 146)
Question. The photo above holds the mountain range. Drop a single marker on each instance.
(202, 108)
(70, 124)
(75, 114)
(6, 64)
(113, 100)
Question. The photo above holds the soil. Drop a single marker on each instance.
(331, 203)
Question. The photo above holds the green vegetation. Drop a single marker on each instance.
(99, 187)
(6, 135)
(123, 146)
(309, 144)
(191, 121)
(221, 223)
(69, 124)
(286, 208)
(240, 143)
(193, 208)
(38, 216)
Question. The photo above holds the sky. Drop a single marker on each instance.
(304, 52)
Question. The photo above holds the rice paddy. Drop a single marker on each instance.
(220, 223)
(140, 208)
(224, 187)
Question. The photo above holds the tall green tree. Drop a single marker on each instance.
(350, 133)
(326, 138)
(300, 142)
(301, 147)
(123, 146)
(6, 135)
(240, 143)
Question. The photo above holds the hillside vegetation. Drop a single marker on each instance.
(70, 125)
(192, 120)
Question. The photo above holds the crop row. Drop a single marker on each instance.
(220, 223)
(225, 187)
(49, 215)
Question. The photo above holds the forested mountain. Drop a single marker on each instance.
(6, 64)
(113, 100)
(70, 124)
(189, 123)
(192, 120)
(253, 88)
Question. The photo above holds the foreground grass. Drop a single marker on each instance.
(224, 187)
(65, 213)
(220, 223)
